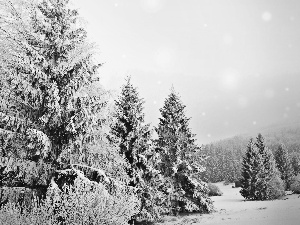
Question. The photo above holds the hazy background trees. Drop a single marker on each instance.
(227, 155)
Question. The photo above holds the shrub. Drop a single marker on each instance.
(276, 188)
(214, 190)
(84, 203)
(295, 185)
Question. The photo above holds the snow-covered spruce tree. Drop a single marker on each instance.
(54, 116)
(132, 135)
(130, 131)
(295, 161)
(176, 145)
(283, 164)
(252, 164)
(269, 174)
(260, 180)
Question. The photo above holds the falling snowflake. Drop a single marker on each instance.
(266, 16)
(227, 39)
(229, 79)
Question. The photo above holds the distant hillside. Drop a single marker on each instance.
(274, 135)
(225, 156)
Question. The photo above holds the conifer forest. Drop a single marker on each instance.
(74, 151)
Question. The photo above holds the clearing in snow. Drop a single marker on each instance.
(232, 209)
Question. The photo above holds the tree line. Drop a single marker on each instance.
(225, 157)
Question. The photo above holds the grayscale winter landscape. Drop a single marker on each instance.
(157, 112)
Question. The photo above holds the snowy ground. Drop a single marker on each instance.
(232, 209)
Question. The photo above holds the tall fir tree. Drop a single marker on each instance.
(54, 114)
(130, 131)
(269, 170)
(252, 164)
(132, 135)
(284, 165)
(260, 180)
(177, 147)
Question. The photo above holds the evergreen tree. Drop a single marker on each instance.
(54, 115)
(269, 170)
(295, 161)
(177, 147)
(283, 164)
(260, 180)
(252, 164)
(132, 135)
(130, 131)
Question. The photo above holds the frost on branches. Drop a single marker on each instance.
(177, 148)
(132, 135)
(130, 132)
(53, 111)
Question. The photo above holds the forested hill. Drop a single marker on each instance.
(225, 156)
(286, 134)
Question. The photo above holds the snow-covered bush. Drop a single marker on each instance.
(276, 188)
(214, 190)
(295, 185)
(85, 202)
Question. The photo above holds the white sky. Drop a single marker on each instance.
(235, 63)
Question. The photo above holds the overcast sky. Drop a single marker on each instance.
(235, 63)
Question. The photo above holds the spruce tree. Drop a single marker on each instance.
(176, 145)
(295, 161)
(260, 180)
(54, 115)
(132, 135)
(252, 164)
(283, 164)
(130, 131)
(269, 170)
